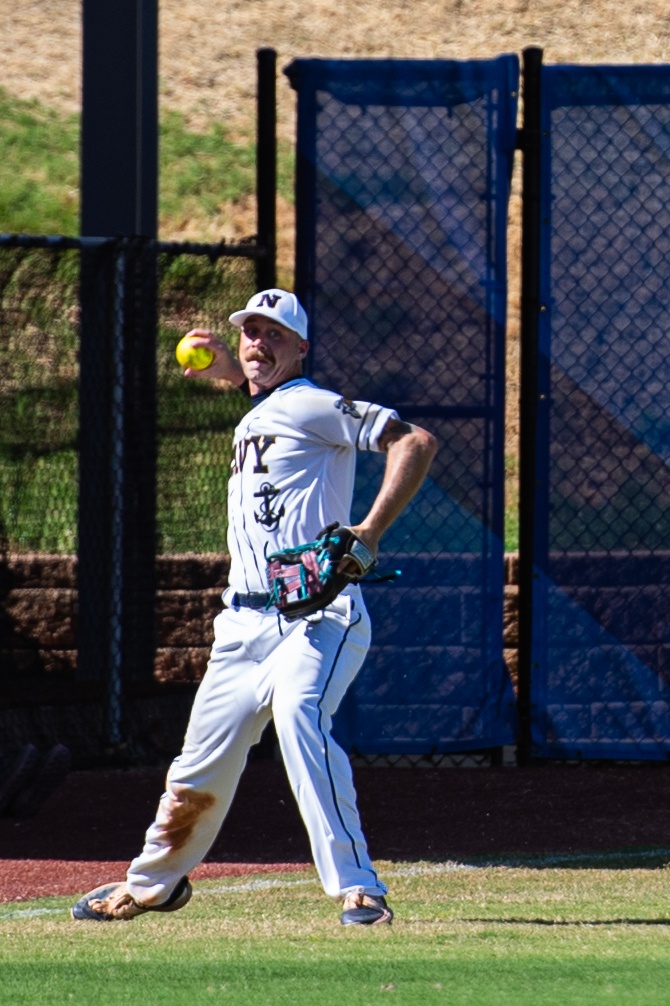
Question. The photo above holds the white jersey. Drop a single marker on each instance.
(293, 470)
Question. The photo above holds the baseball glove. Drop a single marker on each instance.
(304, 579)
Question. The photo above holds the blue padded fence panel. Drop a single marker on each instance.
(601, 635)
(403, 174)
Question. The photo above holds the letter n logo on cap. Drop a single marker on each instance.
(269, 299)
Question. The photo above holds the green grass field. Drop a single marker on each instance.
(525, 935)
(199, 171)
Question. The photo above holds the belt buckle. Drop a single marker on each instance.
(255, 600)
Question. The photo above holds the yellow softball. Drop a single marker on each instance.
(194, 357)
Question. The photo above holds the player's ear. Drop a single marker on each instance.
(303, 349)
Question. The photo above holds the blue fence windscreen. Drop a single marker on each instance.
(403, 179)
(601, 633)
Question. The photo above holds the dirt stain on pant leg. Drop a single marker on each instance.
(182, 809)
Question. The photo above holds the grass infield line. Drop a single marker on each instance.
(28, 913)
(530, 862)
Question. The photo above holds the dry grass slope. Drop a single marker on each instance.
(207, 48)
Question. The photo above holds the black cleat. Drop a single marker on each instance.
(112, 903)
(361, 909)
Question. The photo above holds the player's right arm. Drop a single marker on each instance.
(224, 367)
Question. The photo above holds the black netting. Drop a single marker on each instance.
(195, 420)
(39, 372)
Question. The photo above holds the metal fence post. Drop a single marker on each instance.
(119, 133)
(530, 143)
(266, 168)
(117, 497)
(94, 496)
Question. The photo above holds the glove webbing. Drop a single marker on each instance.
(320, 547)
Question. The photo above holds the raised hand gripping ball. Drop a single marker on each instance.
(194, 357)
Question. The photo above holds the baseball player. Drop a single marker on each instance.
(292, 474)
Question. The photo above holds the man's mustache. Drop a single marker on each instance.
(258, 354)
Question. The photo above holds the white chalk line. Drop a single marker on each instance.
(424, 869)
(431, 869)
(29, 913)
(263, 884)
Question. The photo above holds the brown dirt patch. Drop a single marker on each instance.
(90, 828)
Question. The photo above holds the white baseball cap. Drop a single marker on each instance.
(280, 305)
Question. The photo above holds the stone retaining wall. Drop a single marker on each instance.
(39, 615)
(42, 702)
(38, 619)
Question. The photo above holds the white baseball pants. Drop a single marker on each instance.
(297, 673)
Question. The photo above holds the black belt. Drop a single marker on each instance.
(256, 599)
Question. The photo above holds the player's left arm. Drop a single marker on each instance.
(409, 453)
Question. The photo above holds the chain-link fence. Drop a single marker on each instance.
(195, 420)
(601, 631)
(403, 184)
(39, 368)
(39, 420)
(110, 463)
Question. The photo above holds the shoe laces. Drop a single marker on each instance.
(120, 905)
(359, 899)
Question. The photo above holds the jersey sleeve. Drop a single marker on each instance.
(339, 421)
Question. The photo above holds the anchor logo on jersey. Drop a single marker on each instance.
(268, 517)
(348, 407)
